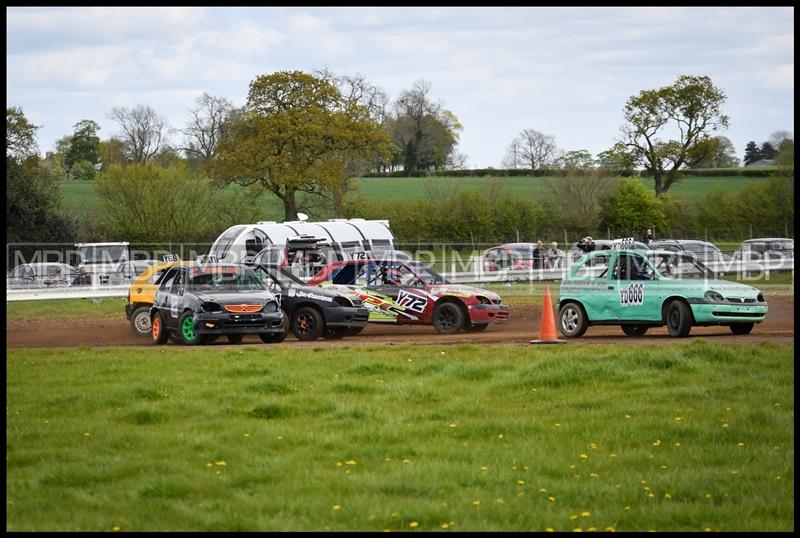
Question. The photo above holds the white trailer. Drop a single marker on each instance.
(345, 238)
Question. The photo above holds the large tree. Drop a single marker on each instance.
(715, 152)
(690, 108)
(427, 133)
(143, 131)
(20, 134)
(531, 149)
(82, 150)
(752, 153)
(296, 135)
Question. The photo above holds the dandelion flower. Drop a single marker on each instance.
(573, 517)
(550, 529)
(593, 446)
(584, 456)
(594, 475)
(586, 513)
(445, 526)
(627, 416)
(476, 502)
(667, 496)
(337, 507)
(610, 529)
(627, 508)
(542, 490)
(592, 529)
(707, 495)
(413, 524)
(663, 467)
(350, 462)
(740, 445)
(453, 425)
(520, 482)
(221, 463)
(551, 499)
(484, 468)
(209, 464)
(115, 528)
(406, 460)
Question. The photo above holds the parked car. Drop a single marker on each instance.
(638, 290)
(198, 302)
(773, 248)
(131, 269)
(41, 275)
(312, 312)
(407, 292)
(513, 256)
(142, 294)
(703, 250)
(602, 244)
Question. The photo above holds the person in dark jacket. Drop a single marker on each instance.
(586, 244)
(538, 255)
(83, 278)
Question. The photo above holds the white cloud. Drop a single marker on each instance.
(780, 77)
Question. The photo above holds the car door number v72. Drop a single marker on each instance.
(412, 302)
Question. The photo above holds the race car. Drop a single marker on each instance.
(641, 289)
(407, 292)
(141, 295)
(197, 302)
(312, 312)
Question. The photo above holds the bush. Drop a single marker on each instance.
(631, 209)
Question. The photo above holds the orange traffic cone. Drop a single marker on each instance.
(547, 327)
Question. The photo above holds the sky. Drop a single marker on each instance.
(566, 72)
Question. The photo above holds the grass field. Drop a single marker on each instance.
(416, 438)
(80, 199)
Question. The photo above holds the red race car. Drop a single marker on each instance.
(407, 292)
(514, 256)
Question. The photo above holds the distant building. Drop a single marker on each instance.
(761, 163)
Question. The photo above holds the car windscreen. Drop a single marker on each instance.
(680, 266)
(281, 277)
(428, 275)
(522, 253)
(223, 279)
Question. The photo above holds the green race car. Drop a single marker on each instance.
(641, 289)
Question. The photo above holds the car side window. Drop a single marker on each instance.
(594, 268)
(169, 277)
(177, 283)
(630, 267)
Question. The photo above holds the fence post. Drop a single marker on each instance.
(517, 235)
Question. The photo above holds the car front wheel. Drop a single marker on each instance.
(140, 321)
(307, 324)
(448, 318)
(679, 319)
(572, 320)
(186, 332)
(158, 331)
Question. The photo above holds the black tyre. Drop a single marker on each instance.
(188, 336)
(158, 330)
(679, 319)
(572, 321)
(307, 323)
(448, 318)
(742, 328)
(634, 330)
(235, 338)
(140, 321)
(476, 328)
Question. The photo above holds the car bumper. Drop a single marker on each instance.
(128, 310)
(728, 313)
(344, 316)
(487, 313)
(224, 323)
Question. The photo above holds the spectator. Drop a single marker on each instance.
(586, 244)
(554, 256)
(538, 255)
(83, 278)
(648, 237)
(56, 280)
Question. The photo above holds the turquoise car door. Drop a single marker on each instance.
(635, 289)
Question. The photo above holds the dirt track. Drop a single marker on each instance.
(523, 326)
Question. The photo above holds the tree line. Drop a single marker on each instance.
(302, 137)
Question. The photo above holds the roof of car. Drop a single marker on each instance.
(759, 239)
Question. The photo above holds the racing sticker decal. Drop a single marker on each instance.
(633, 295)
(412, 302)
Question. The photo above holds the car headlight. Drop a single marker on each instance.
(210, 307)
(713, 297)
(271, 306)
(760, 298)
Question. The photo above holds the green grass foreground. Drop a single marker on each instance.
(430, 438)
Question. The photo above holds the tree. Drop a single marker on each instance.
(206, 126)
(426, 132)
(296, 135)
(532, 149)
(33, 199)
(631, 208)
(752, 153)
(84, 145)
(690, 107)
(768, 151)
(572, 202)
(112, 151)
(714, 152)
(20, 135)
(579, 158)
(780, 138)
(143, 131)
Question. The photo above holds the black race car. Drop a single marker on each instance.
(312, 312)
(198, 302)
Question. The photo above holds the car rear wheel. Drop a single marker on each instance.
(307, 323)
(158, 331)
(448, 318)
(742, 328)
(572, 320)
(634, 330)
(679, 319)
(140, 321)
